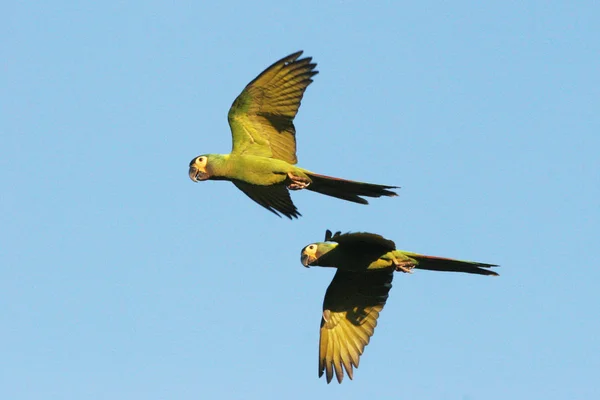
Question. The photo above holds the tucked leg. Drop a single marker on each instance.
(297, 182)
(404, 266)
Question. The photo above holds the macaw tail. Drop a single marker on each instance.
(347, 190)
(448, 264)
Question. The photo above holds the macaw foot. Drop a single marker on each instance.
(297, 182)
(404, 266)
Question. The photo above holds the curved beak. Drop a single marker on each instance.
(197, 174)
(307, 259)
(193, 172)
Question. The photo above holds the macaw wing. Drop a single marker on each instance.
(261, 117)
(275, 198)
(329, 235)
(362, 240)
(351, 307)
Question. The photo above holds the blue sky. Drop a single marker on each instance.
(122, 279)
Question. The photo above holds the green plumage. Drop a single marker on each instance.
(263, 156)
(368, 251)
(365, 265)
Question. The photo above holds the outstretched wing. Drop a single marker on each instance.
(351, 307)
(261, 117)
(275, 198)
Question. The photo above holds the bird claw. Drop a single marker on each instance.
(404, 266)
(297, 182)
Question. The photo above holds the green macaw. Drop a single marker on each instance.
(262, 161)
(365, 265)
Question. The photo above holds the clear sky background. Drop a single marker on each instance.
(122, 279)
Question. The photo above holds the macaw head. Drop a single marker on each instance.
(198, 168)
(312, 253)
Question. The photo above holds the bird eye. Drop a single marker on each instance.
(200, 159)
(312, 246)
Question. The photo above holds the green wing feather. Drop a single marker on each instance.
(261, 117)
(351, 307)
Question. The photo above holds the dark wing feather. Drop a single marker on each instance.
(355, 251)
(274, 198)
(329, 235)
(364, 239)
(351, 307)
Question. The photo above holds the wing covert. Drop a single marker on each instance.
(371, 241)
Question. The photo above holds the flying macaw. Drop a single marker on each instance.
(262, 161)
(365, 265)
